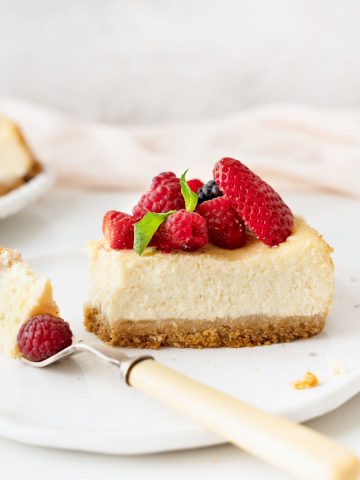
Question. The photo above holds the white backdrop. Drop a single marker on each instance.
(158, 60)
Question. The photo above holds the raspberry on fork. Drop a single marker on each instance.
(42, 336)
(225, 226)
(262, 209)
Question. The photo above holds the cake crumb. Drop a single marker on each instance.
(334, 365)
(309, 381)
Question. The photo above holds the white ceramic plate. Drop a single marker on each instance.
(81, 404)
(19, 198)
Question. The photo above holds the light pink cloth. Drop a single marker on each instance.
(295, 147)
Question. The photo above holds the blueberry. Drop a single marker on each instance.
(208, 191)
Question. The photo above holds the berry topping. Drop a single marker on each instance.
(146, 228)
(164, 195)
(182, 230)
(42, 336)
(163, 177)
(118, 229)
(262, 209)
(195, 184)
(225, 226)
(208, 191)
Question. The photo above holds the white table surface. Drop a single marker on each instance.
(61, 223)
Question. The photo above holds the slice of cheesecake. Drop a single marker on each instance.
(17, 163)
(23, 294)
(212, 297)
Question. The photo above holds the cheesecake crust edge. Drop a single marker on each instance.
(246, 331)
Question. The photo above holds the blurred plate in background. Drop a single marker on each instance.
(19, 198)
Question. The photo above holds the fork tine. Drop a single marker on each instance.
(75, 349)
(67, 352)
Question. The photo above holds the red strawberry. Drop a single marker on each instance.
(226, 228)
(118, 229)
(195, 184)
(262, 209)
(164, 195)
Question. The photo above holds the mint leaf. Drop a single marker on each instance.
(150, 251)
(190, 197)
(145, 229)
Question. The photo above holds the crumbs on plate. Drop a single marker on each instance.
(334, 365)
(309, 381)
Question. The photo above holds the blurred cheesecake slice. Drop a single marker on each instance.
(17, 163)
(23, 294)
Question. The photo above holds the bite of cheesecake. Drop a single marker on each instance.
(23, 294)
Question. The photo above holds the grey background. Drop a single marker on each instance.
(158, 60)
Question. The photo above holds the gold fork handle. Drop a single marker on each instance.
(286, 445)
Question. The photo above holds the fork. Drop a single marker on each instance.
(294, 448)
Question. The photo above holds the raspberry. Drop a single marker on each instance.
(195, 184)
(262, 209)
(208, 191)
(164, 195)
(226, 228)
(161, 240)
(42, 336)
(118, 229)
(163, 177)
(183, 231)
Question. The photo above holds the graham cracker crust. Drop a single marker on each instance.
(245, 331)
